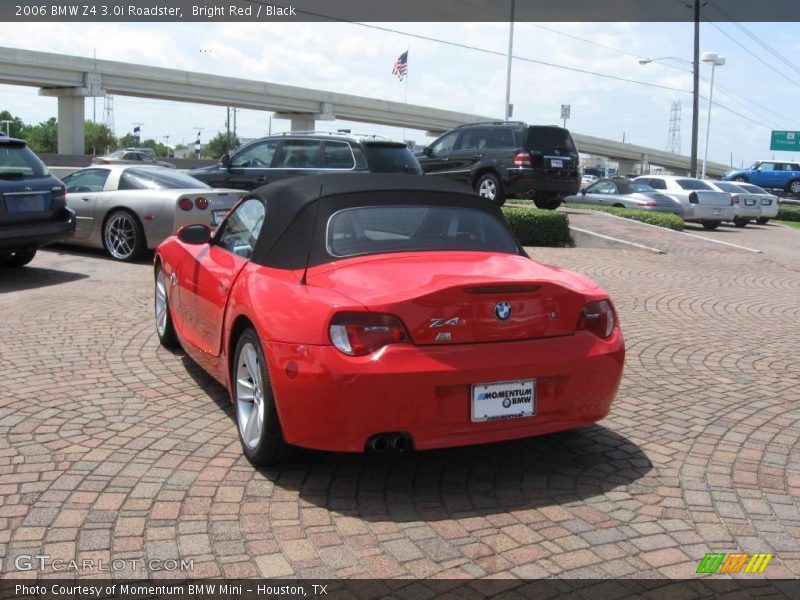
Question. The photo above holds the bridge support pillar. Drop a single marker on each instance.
(625, 167)
(302, 122)
(70, 124)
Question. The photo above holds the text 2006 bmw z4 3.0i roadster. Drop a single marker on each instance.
(355, 312)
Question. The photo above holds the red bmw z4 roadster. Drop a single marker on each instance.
(384, 312)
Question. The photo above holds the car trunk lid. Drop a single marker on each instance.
(464, 297)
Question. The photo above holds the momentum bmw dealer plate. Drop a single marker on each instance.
(503, 400)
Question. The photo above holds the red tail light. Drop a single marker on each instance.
(598, 318)
(201, 203)
(185, 204)
(522, 160)
(357, 334)
(650, 204)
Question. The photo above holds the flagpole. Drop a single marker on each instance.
(405, 94)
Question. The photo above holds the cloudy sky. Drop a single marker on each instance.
(758, 89)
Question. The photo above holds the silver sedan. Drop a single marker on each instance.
(125, 209)
(624, 193)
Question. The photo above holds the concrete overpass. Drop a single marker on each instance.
(73, 78)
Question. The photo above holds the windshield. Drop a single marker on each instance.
(20, 161)
(158, 178)
(379, 229)
(393, 159)
(693, 184)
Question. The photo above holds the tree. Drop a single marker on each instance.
(15, 127)
(128, 141)
(42, 138)
(98, 138)
(219, 145)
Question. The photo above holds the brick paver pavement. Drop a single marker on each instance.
(113, 448)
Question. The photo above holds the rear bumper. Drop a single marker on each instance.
(747, 212)
(526, 181)
(25, 235)
(698, 212)
(330, 401)
(770, 211)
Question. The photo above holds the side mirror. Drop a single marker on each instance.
(427, 151)
(583, 192)
(196, 235)
(225, 161)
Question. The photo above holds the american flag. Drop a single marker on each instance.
(401, 66)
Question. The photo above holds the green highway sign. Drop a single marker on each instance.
(785, 140)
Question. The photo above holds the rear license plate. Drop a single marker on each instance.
(218, 216)
(717, 211)
(750, 202)
(557, 164)
(503, 400)
(27, 203)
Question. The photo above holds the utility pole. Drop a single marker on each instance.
(695, 87)
(228, 131)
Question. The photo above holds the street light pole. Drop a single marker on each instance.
(716, 61)
(508, 65)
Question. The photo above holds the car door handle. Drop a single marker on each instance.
(478, 156)
(86, 199)
(261, 179)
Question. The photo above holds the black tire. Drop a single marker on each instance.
(740, 221)
(711, 224)
(740, 179)
(793, 187)
(123, 236)
(488, 186)
(762, 220)
(166, 331)
(547, 201)
(618, 206)
(15, 259)
(268, 447)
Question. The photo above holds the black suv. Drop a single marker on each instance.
(286, 155)
(33, 209)
(502, 159)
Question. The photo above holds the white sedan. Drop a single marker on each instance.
(126, 209)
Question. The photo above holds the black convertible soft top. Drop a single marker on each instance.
(298, 209)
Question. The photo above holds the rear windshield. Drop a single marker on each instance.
(550, 140)
(393, 159)
(19, 162)
(379, 229)
(693, 184)
(731, 188)
(753, 188)
(158, 178)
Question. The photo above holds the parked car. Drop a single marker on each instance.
(769, 202)
(587, 180)
(502, 159)
(278, 157)
(33, 210)
(746, 206)
(623, 193)
(125, 209)
(131, 157)
(769, 174)
(384, 312)
(701, 203)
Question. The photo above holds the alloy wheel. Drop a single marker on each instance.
(795, 187)
(487, 189)
(161, 303)
(249, 396)
(120, 236)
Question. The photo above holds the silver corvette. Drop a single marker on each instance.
(125, 209)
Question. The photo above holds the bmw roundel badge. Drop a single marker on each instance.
(502, 310)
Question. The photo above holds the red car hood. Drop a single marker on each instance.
(435, 293)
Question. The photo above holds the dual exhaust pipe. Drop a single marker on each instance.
(390, 443)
